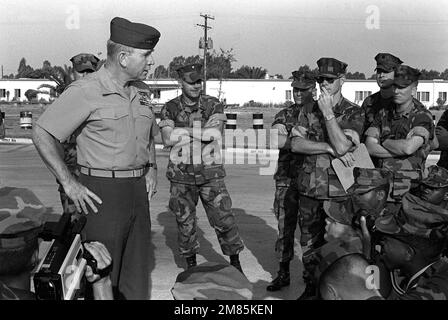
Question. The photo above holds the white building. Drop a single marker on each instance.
(241, 91)
(14, 89)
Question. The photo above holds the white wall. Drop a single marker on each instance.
(241, 91)
(24, 84)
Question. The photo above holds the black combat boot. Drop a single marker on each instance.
(235, 261)
(310, 293)
(191, 261)
(282, 279)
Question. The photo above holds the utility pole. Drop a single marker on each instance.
(206, 46)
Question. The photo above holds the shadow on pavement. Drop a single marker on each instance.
(168, 221)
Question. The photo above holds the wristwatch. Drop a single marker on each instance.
(329, 117)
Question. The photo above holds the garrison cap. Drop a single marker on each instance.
(191, 72)
(85, 62)
(131, 34)
(369, 179)
(415, 220)
(331, 67)
(387, 61)
(21, 217)
(437, 177)
(303, 80)
(405, 75)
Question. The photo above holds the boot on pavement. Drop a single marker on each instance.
(282, 280)
(235, 261)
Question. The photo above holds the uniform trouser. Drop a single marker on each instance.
(123, 225)
(218, 207)
(286, 210)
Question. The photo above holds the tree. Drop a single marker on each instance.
(31, 94)
(306, 68)
(278, 76)
(24, 70)
(246, 72)
(61, 75)
(429, 75)
(160, 72)
(356, 75)
(444, 74)
(219, 65)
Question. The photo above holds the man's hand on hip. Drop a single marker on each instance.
(81, 196)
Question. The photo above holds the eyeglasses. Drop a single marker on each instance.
(329, 80)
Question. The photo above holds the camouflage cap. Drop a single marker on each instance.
(405, 75)
(341, 212)
(303, 80)
(369, 179)
(212, 281)
(85, 62)
(415, 219)
(331, 67)
(387, 61)
(191, 72)
(437, 177)
(21, 216)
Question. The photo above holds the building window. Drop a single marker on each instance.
(16, 93)
(2, 93)
(423, 96)
(361, 95)
(288, 95)
(442, 95)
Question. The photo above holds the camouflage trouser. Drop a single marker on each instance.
(218, 206)
(312, 226)
(286, 210)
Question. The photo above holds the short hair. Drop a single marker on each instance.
(345, 271)
(113, 48)
(14, 261)
(429, 249)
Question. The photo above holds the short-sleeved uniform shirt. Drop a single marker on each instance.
(317, 178)
(443, 122)
(289, 163)
(390, 125)
(176, 114)
(115, 130)
(431, 284)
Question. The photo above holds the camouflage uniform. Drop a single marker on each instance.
(419, 219)
(289, 164)
(21, 220)
(346, 213)
(375, 102)
(189, 181)
(443, 122)
(407, 170)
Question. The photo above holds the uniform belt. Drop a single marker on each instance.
(132, 173)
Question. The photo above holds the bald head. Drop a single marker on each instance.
(347, 278)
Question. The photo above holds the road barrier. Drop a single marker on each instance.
(257, 121)
(231, 121)
(26, 119)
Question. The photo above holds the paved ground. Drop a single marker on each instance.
(252, 197)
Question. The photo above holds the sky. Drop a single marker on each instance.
(279, 35)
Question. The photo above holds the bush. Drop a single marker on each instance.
(260, 105)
